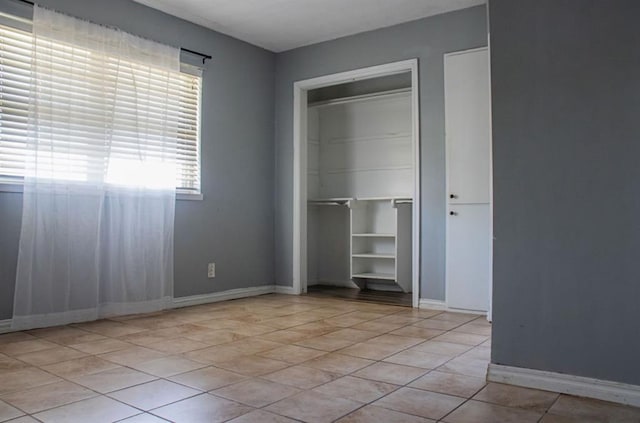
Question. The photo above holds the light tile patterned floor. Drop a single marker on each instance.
(273, 358)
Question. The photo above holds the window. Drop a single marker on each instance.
(15, 79)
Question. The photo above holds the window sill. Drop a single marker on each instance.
(182, 196)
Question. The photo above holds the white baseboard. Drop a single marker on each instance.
(5, 326)
(432, 304)
(442, 306)
(230, 294)
(287, 290)
(621, 393)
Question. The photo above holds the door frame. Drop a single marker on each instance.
(300, 88)
(447, 190)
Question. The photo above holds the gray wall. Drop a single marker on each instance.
(566, 107)
(426, 39)
(233, 225)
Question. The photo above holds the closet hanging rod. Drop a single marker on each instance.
(186, 50)
(361, 97)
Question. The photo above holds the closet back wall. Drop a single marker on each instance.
(426, 39)
(233, 225)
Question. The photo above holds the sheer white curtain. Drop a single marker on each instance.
(99, 190)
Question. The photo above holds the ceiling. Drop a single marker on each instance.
(280, 25)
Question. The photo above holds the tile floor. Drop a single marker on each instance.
(277, 359)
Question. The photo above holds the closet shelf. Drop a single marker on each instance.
(315, 200)
(374, 235)
(401, 198)
(329, 201)
(374, 256)
(383, 276)
(361, 98)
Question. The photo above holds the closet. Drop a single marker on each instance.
(360, 184)
(468, 129)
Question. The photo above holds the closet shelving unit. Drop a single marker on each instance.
(379, 240)
(381, 243)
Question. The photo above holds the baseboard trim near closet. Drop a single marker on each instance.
(442, 306)
(5, 326)
(286, 290)
(231, 294)
(580, 386)
(432, 304)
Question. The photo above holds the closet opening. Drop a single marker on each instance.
(356, 185)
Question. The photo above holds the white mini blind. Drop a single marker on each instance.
(71, 156)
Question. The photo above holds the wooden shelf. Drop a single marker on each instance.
(382, 276)
(374, 256)
(373, 235)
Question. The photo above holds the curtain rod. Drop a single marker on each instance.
(186, 50)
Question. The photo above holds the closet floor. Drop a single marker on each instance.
(366, 295)
(273, 358)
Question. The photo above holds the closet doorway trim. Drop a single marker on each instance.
(300, 89)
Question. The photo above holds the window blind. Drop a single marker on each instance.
(77, 80)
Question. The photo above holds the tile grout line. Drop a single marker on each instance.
(549, 408)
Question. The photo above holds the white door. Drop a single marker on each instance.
(467, 121)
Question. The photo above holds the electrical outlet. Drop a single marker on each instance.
(211, 270)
